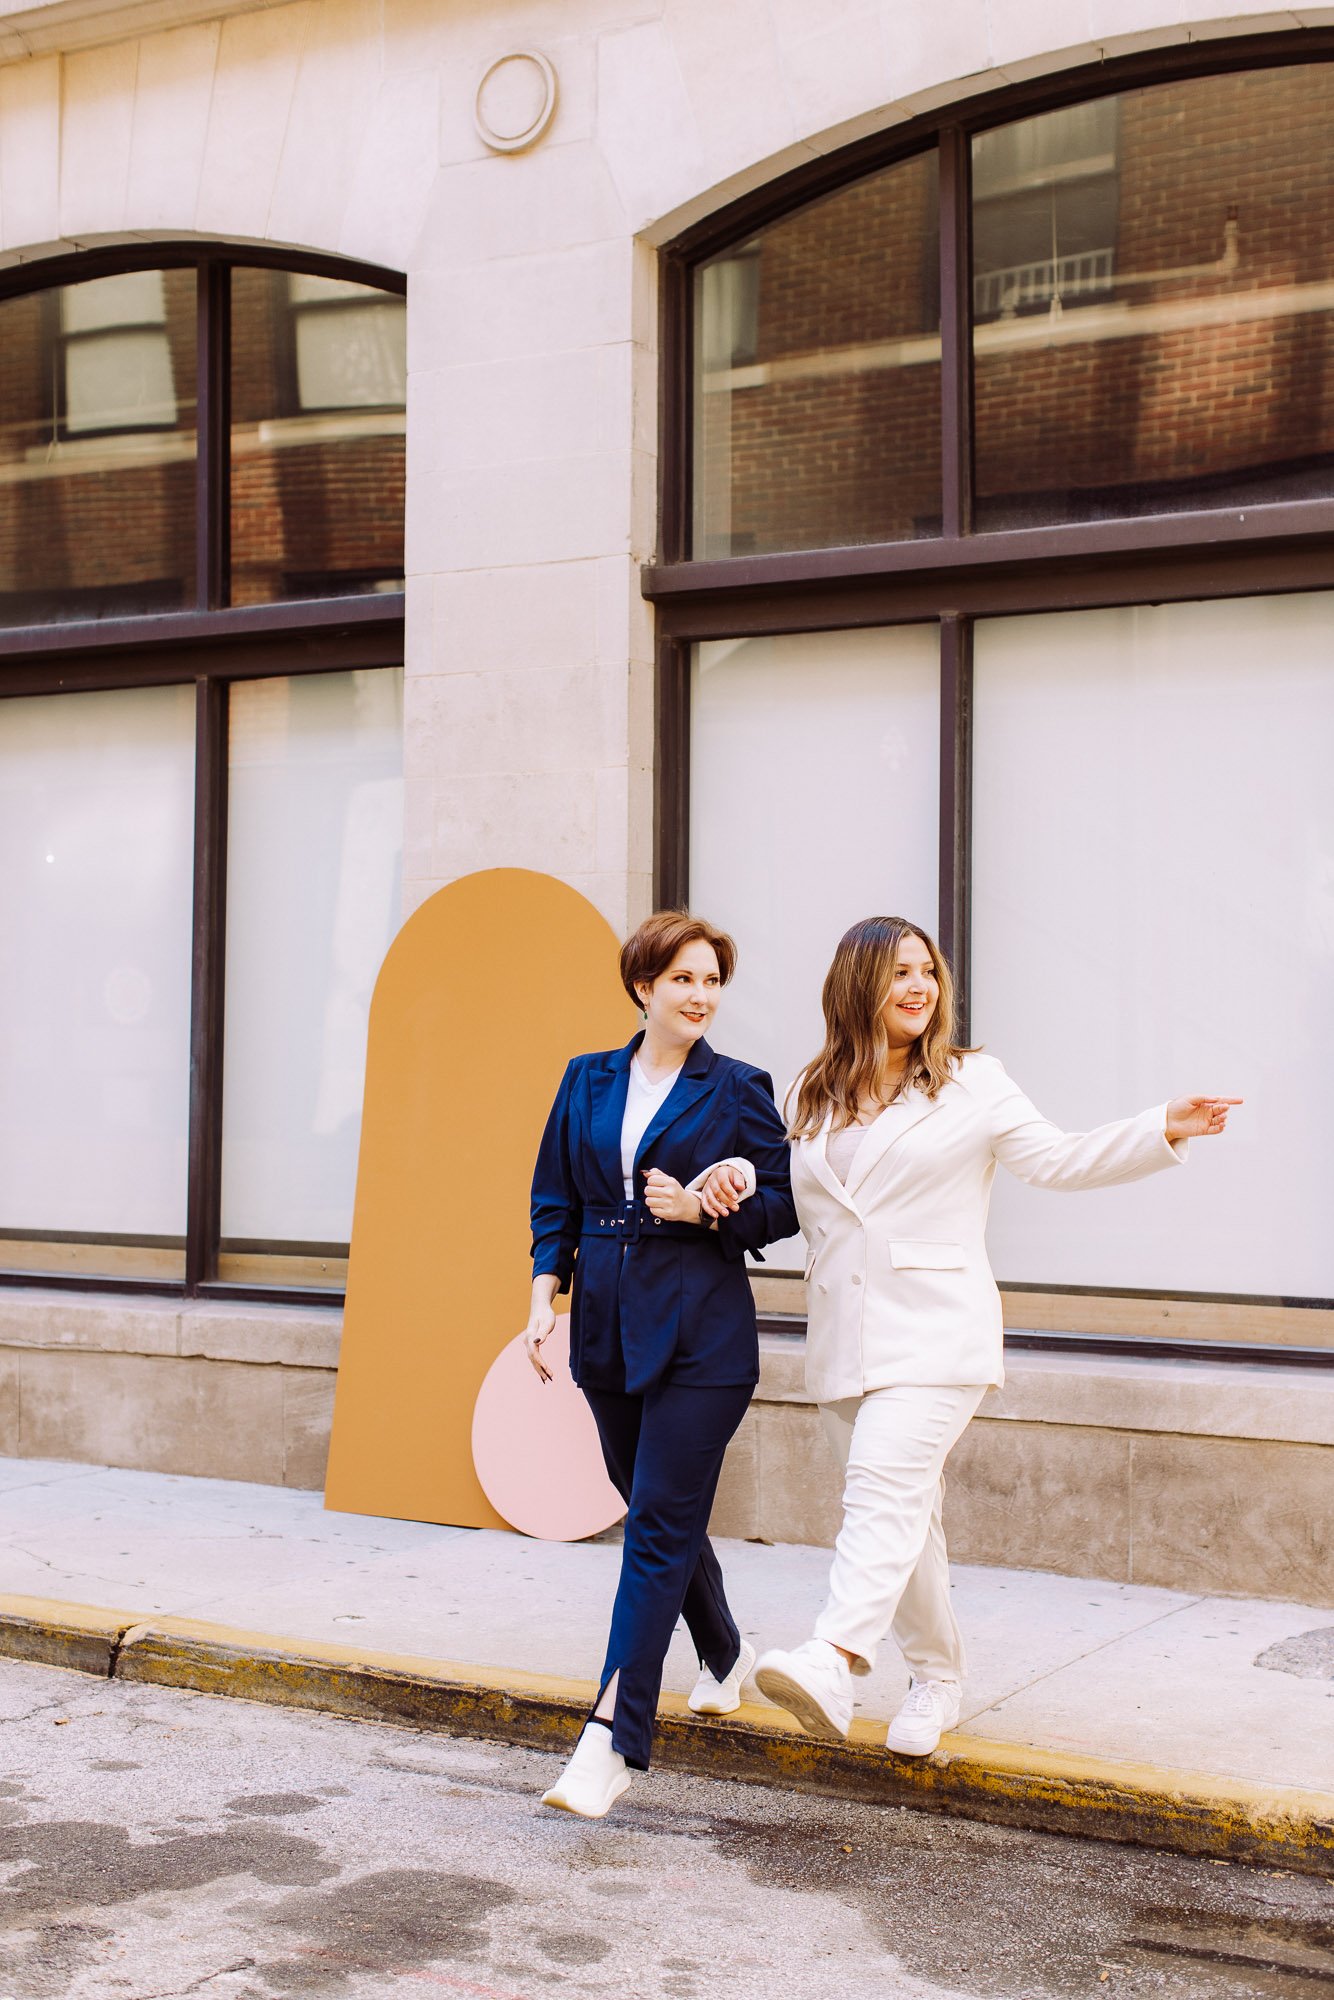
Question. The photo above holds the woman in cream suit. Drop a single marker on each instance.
(896, 1135)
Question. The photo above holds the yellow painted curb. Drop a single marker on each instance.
(1189, 1812)
(54, 1634)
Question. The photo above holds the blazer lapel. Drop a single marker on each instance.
(608, 1087)
(814, 1153)
(692, 1084)
(886, 1131)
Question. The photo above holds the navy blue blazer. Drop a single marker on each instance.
(653, 1296)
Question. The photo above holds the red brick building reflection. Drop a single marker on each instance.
(1154, 294)
(98, 446)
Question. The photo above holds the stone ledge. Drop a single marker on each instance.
(206, 1329)
(1228, 1399)
(1233, 1399)
(292, 1336)
(103, 1322)
(1265, 1401)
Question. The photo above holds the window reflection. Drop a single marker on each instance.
(1153, 289)
(97, 448)
(817, 374)
(115, 356)
(350, 344)
(318, 400)
(1045, 210)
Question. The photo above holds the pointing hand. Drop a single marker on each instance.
(1198, 1117)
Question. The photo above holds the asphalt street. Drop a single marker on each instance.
(156, 1844)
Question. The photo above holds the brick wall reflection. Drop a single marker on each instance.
(94, 523)
(97, 525)
(848, 453)
(1160, 391)
(317, 500)
(1187, 413)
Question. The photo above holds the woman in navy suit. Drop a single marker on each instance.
(662, 1322)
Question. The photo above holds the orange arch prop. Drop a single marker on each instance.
(487, 991)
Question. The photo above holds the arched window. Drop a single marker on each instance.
(201, 614)
(995, 591)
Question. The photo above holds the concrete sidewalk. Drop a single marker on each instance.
(1078, 1690)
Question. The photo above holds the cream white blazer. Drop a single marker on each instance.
(898, 1285)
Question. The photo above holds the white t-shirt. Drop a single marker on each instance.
(641, 1102)
(842, 1147)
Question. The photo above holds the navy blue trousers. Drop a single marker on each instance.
(663, 1452)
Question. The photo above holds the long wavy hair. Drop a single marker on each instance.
(849, 1068)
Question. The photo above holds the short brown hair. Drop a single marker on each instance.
(648, 951)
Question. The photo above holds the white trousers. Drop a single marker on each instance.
(890, 1570)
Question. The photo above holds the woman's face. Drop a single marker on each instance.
(684, 999)
(914, 993)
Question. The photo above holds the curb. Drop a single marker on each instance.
(1186, 1812)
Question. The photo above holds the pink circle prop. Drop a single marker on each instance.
(535, 1447)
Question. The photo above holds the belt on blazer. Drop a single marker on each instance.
(630, 1220)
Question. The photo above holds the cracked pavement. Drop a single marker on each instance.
(157, 1844)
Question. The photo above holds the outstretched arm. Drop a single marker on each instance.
(1128, 1149)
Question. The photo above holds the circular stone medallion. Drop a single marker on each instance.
(515, 101)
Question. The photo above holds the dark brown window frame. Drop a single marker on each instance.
(952, 580)
(208, 648)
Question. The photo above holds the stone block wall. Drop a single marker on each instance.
(161, 1386)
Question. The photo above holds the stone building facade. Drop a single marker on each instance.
(550, 435)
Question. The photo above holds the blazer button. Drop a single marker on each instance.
(856, 1277)
(820, 1229)
(821, 1288)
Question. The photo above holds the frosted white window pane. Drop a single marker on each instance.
(96, 874)
(354, 358)
(132, 298)
(813, 801)
(314, 857)
(1154, 914)
(119, 381)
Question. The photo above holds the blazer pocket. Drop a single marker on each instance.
(926, 1256)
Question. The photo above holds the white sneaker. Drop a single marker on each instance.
(931, 1708)
(814, 1683)
(594, 1778)
(711, 1697)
